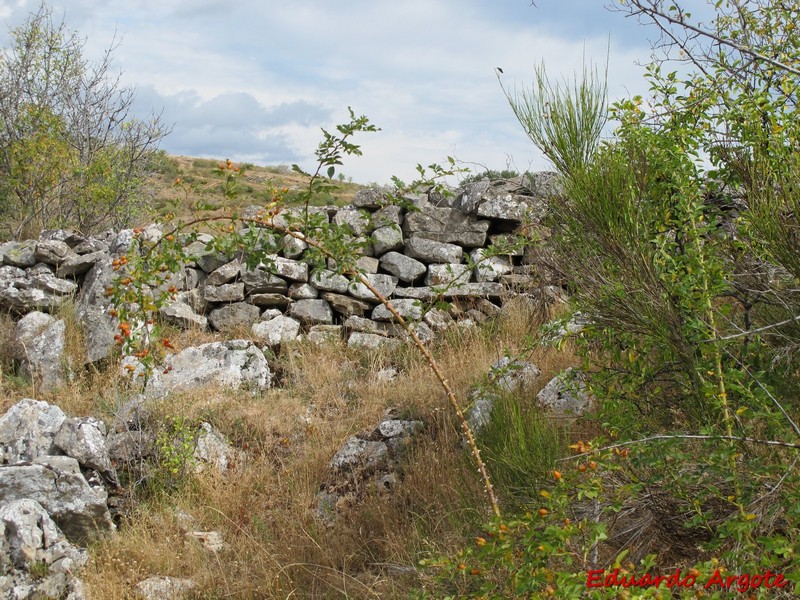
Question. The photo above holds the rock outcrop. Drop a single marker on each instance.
(436, 251)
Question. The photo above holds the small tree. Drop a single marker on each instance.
(71, 154)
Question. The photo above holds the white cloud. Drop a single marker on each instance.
(258, 78)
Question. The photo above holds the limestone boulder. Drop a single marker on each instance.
(40, 342)
(27, 431)
(403, 267)
(276, 331)
(431, 251)
(231, 317)
(233, 364)
(566, 393)
(312, 312)
(56, 482)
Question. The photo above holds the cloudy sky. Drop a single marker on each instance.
(255, 80)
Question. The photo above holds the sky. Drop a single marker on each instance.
(256, 80)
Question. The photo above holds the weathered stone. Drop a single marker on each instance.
(224, 274)
(403, 267)
(438, 319)
(392, 428)
(511, 375)
(20, 254)
(98, 331)
(362, 455)
(57, 484)
(129, 449)
(270, 300)
(407, 308)
(367, 264)
(164, 588)
(471, 195)
(227, 292)
(121, 241)
(68, 236)
(312, 312)
(78, 264)
(233, 363)
(510, 244)
(51, 284)
(511, 207)
(386, 216)
(386, 239)
(32, 539)
(284, 267)
(261, 281)
(29, 327)
(372, 197)
(430, 251)
(276, 331)
(303, 291)
(363, 325)
(208, 260)
(210, 540)
(476, 290)
(91, 245)
(233, 316)
(421, 329)
(211, 449)
(453, 274)
(84, 439)
(385, 284)
(566, 393)
(489, 268)
(345, 305)
(418, 293)
(446, 225)
(193, 278)
(292, 247)
(325, 334)
(488, 308)
(27, 430)
(52, 252)
(371, 341)
(182, 315)
(356, 220)
(92, 306)
(8, 273)
(39, 344)
(329, 281)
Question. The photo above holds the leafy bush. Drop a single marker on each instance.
(691, 329)
(71, 155)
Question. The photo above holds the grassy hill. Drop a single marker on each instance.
(201, 186)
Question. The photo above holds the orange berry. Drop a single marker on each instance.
(557, 475)
(543, 512)
(624, 452)
(592, 464)
(475, 572)
(581, 468)
(479, 541)
(461, 566)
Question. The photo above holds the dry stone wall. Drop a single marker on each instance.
(411, 256)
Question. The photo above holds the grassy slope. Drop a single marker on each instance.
(264, 509)
(201, 185)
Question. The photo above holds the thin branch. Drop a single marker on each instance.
(652, 438)
(655, 14)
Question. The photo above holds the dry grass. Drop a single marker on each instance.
(264, 507)
(200, 186)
